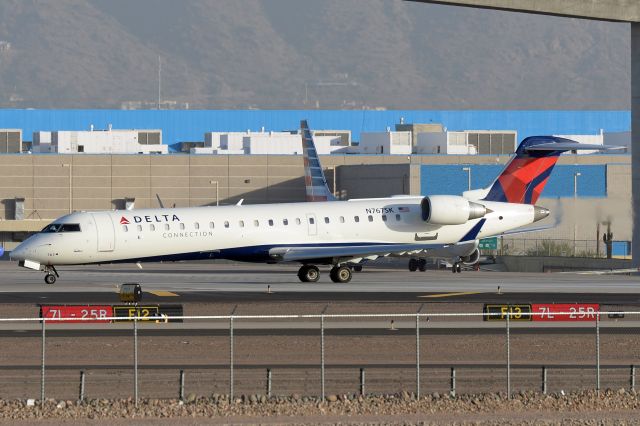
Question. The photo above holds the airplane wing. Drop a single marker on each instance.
(355, 251)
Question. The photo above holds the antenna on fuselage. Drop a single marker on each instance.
(160, 201)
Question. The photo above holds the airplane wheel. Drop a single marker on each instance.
(422, 265)
(413, 265)
(309, 274)
(340, 274)
(458, 268)
(455, 267)
(49, 278)
(357, 268)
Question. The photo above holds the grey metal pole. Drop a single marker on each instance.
(418, 356)
(508, 356)
(362, 379)
(231, 358)
(268, 383)
(42, 363)
(135, 359)
(632, 379)
(81, 396)
(181, 391)
(598, 352)
(544, 380)
(453, 381)
(322, 355)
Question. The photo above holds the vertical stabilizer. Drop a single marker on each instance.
(315, 182)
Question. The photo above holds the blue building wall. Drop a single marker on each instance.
(451, 179)
(190, 125)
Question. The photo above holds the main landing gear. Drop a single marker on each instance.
(456, 267)
(338, 274)
(50, 274)
(417, 264)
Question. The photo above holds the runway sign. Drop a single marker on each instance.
(54, 313)
(147, 312)
(521, 312)
(570, 312)
(85, 312)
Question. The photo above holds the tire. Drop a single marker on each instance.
(50, 279)
(459, 268)
(422, 265)
(340, 274)
(309, 274)
(413, 265)
(454, 267)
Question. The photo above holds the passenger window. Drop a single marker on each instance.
(341, 219)
(182, 226)
(298, 221)
(226, 223)
(398, 217)
(356, 219)
(152, 227)
(312, 220)
(326, 220)
(125, 228)
(196, 225)
(270, 222)
(212, 225)
(139, 228)
(256, 223)
(370, 218)
(285, 222)
(384, 217)
(241, 223)
(166, 227)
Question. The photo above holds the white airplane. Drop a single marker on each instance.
(337, 233)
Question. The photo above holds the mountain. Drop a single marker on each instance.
(305, 54)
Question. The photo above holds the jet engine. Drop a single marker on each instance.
(450, 210)
(472, 259)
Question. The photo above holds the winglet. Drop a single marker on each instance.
(315, 182)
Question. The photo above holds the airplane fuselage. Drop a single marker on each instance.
(248, 232)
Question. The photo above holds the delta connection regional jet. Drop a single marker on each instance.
(342, 234)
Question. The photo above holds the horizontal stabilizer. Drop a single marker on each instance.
(570, 146)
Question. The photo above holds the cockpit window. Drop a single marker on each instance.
(62, 227)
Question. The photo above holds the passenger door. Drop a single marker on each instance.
(105, 231)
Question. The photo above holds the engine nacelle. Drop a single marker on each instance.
(472, 259)
(450, 210)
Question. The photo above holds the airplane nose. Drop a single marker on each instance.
(19, 252)
(539, 213)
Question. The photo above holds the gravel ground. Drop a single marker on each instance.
(608, 407)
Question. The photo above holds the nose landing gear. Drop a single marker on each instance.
(50, 274)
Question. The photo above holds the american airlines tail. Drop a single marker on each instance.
(315, 182)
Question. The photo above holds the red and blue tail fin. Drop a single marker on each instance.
(315, 182)
(526, 175)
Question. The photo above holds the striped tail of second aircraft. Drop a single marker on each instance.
(315, 182)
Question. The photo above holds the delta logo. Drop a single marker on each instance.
(150, 219)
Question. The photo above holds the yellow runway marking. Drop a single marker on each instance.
(433, 296)
(162, 293)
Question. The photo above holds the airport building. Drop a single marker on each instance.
(585, 192)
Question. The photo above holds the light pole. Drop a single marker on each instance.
(70, 166)
(575, 206)
(468, 170)
(211, 182)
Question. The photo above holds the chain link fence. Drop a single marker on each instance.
(318, 355)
